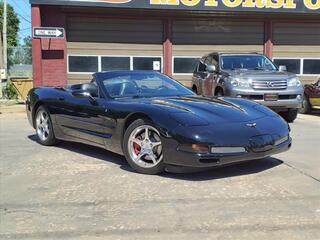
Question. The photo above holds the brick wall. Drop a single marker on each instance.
(49, 55)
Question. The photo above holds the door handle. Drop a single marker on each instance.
(61, 98)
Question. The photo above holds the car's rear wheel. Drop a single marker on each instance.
(306, 106)
(142, 147)
(290, 115)
(43, 126)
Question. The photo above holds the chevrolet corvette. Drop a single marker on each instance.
(156, 122)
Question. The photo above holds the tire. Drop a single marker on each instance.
(144, 154)
(219, 93)
(290, 115)
(306, 106)
(43, 126)
(194, 89)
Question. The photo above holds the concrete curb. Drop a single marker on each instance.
(16, 108)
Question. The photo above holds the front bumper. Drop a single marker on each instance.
(197, 160)
(290, 98)
(271, 135)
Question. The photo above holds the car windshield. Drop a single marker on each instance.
(142, 84)
(246, 62)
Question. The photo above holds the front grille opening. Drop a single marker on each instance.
(253, 97)
(210, 160)
(268, 85)
(284, 97)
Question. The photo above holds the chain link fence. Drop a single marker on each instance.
(20, 61)
(19, 66)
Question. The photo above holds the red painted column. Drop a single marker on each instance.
(268, 38)
(36, 48)
(167, 47)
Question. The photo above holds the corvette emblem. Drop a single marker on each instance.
(251, 125)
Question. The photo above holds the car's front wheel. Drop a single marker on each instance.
(306, 106)
(142, 147)
(43, 126)
(290, 115)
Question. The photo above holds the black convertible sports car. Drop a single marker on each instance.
(155, 122)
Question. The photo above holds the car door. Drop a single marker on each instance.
(315, 94)
(201, 76)
(83, 118)
(211, 79)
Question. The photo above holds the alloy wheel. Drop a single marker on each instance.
(43, 125)
(145, 147)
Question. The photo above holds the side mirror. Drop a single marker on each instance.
(211, 69)
(282, 68)
(88, 90)
(81, 93)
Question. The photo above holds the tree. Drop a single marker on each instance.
(13, 25)
(27, 50)
(12, 30)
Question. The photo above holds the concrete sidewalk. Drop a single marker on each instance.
(9, 106)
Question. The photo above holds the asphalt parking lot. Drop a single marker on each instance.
(74, 191)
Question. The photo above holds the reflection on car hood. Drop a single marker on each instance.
(260, 74)
(212, 110)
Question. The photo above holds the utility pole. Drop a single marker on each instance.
(5, 47)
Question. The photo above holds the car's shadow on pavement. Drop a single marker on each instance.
(244, 168)
(315, 113)
(239, 169)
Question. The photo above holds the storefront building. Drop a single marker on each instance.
(170, 35)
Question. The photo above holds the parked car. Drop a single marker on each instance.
(252, 76)
(311, 97)
(156, 122)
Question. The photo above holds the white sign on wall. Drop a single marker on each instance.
(48, 32)
(156, 65)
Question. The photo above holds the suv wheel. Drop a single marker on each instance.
(290, 115)
(194, 89)
(306, 106)
(219, 93)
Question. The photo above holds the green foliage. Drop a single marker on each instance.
(22, 54)
(13, 25)
(10, 92)
(27, 50)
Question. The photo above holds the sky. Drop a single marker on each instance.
(23, 9)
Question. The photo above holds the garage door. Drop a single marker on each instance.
(297, 45)
(192, 39)
(101, 44)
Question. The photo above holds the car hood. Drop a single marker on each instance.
(195, 110)
(260, 75)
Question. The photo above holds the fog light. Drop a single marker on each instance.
(228, 150)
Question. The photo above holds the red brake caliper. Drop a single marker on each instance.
(136, 148)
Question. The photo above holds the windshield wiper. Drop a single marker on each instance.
(259, 68)
(132, 96)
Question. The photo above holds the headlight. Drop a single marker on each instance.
(236, 82)
(294, 82)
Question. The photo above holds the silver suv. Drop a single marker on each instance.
(252, 76)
